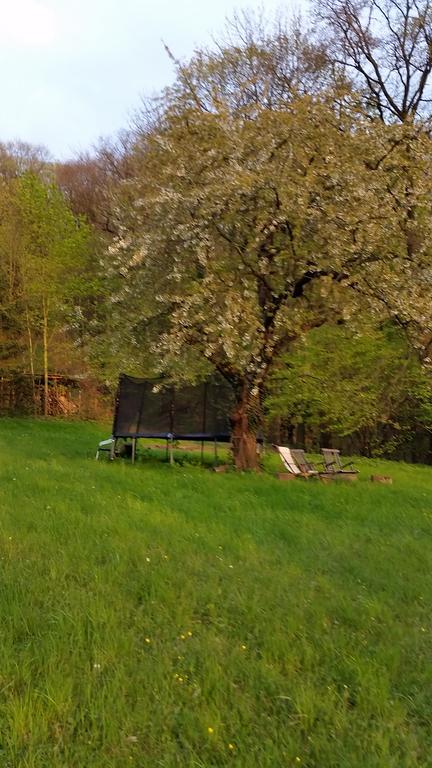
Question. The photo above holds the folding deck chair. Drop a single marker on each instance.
(333, 464)
(294, 467)
(306, 467)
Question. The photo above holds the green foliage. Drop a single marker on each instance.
(308, 608)
(347, 379)
(44, 266)
(54, 242)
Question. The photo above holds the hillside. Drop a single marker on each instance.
(171, 616)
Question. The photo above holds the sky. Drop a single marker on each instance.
(75, 70)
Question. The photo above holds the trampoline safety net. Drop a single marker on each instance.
(146, 408)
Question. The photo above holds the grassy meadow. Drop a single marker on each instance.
(174, 617)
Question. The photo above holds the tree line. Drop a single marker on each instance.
(268, 216)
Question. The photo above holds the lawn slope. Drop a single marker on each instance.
(170, 616)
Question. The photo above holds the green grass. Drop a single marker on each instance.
(141, 606)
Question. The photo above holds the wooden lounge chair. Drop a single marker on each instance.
(305, 466)
(292, 466)
(333, 464)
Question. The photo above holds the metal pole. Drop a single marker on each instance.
(113, 449)
(134, 441)
(171, 450)
(204, 420)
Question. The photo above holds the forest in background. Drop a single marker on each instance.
(268, 217)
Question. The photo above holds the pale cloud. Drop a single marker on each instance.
(28, 24)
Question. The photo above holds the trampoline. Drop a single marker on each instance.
(151, 409)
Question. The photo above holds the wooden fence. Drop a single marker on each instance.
(23, 394)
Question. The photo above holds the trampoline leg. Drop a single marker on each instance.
(167, 449)
(113, 449)
(215, 452)
(171, 451)
(134, 441)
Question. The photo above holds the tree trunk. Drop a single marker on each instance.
(243, 434)
(45, 356)
(31, 359)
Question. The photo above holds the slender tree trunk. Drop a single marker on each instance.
(31, 358)
(11, 278)
(243, 432)
(45, 355)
